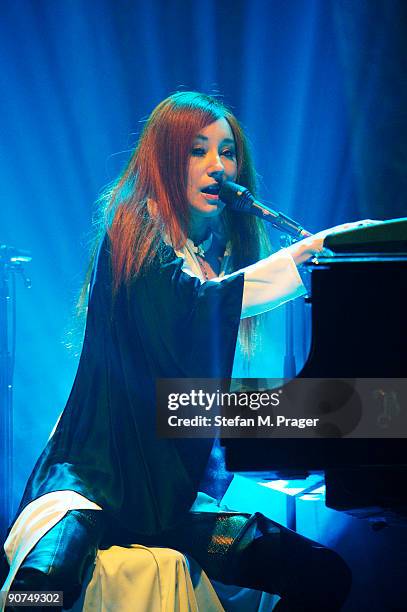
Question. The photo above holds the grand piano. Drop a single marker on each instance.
(359, 330)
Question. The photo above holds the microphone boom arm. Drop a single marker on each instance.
(240, 199)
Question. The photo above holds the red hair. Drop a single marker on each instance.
(158, 171)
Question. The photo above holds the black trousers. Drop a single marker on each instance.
(232, 548)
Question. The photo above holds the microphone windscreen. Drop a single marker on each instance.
(234, 195)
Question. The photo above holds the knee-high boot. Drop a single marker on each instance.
(308, 576)
(59, 560)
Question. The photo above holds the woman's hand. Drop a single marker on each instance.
(306, 249)
(313, 245)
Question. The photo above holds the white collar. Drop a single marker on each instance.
(201, 248)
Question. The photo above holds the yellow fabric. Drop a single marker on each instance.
(140, 579)
(134, 579)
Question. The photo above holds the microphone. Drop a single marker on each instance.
(240, 199)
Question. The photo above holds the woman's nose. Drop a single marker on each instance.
(216, 167)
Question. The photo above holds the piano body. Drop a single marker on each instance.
(358, 301)
(359, 330)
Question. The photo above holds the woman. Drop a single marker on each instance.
(174, 277)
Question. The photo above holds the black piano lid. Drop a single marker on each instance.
(379, 237)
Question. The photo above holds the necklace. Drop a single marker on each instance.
(200, 250)
(203, 265)
(199, 253)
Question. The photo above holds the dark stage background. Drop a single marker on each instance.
(320, 86)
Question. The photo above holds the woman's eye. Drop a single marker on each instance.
(229, 153)
(198, 151)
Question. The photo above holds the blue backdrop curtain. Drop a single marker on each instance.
(319, 85)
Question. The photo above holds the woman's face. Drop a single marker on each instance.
(212, 161)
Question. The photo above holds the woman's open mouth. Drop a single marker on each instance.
(211, 192)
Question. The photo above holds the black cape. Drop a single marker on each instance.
(165, 324)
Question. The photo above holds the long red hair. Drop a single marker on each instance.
(158, 171)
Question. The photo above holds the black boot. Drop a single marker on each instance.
(59, 561)
(308, 576)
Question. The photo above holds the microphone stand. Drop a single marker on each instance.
(290, 369)
(239, 198)
(10, 264)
